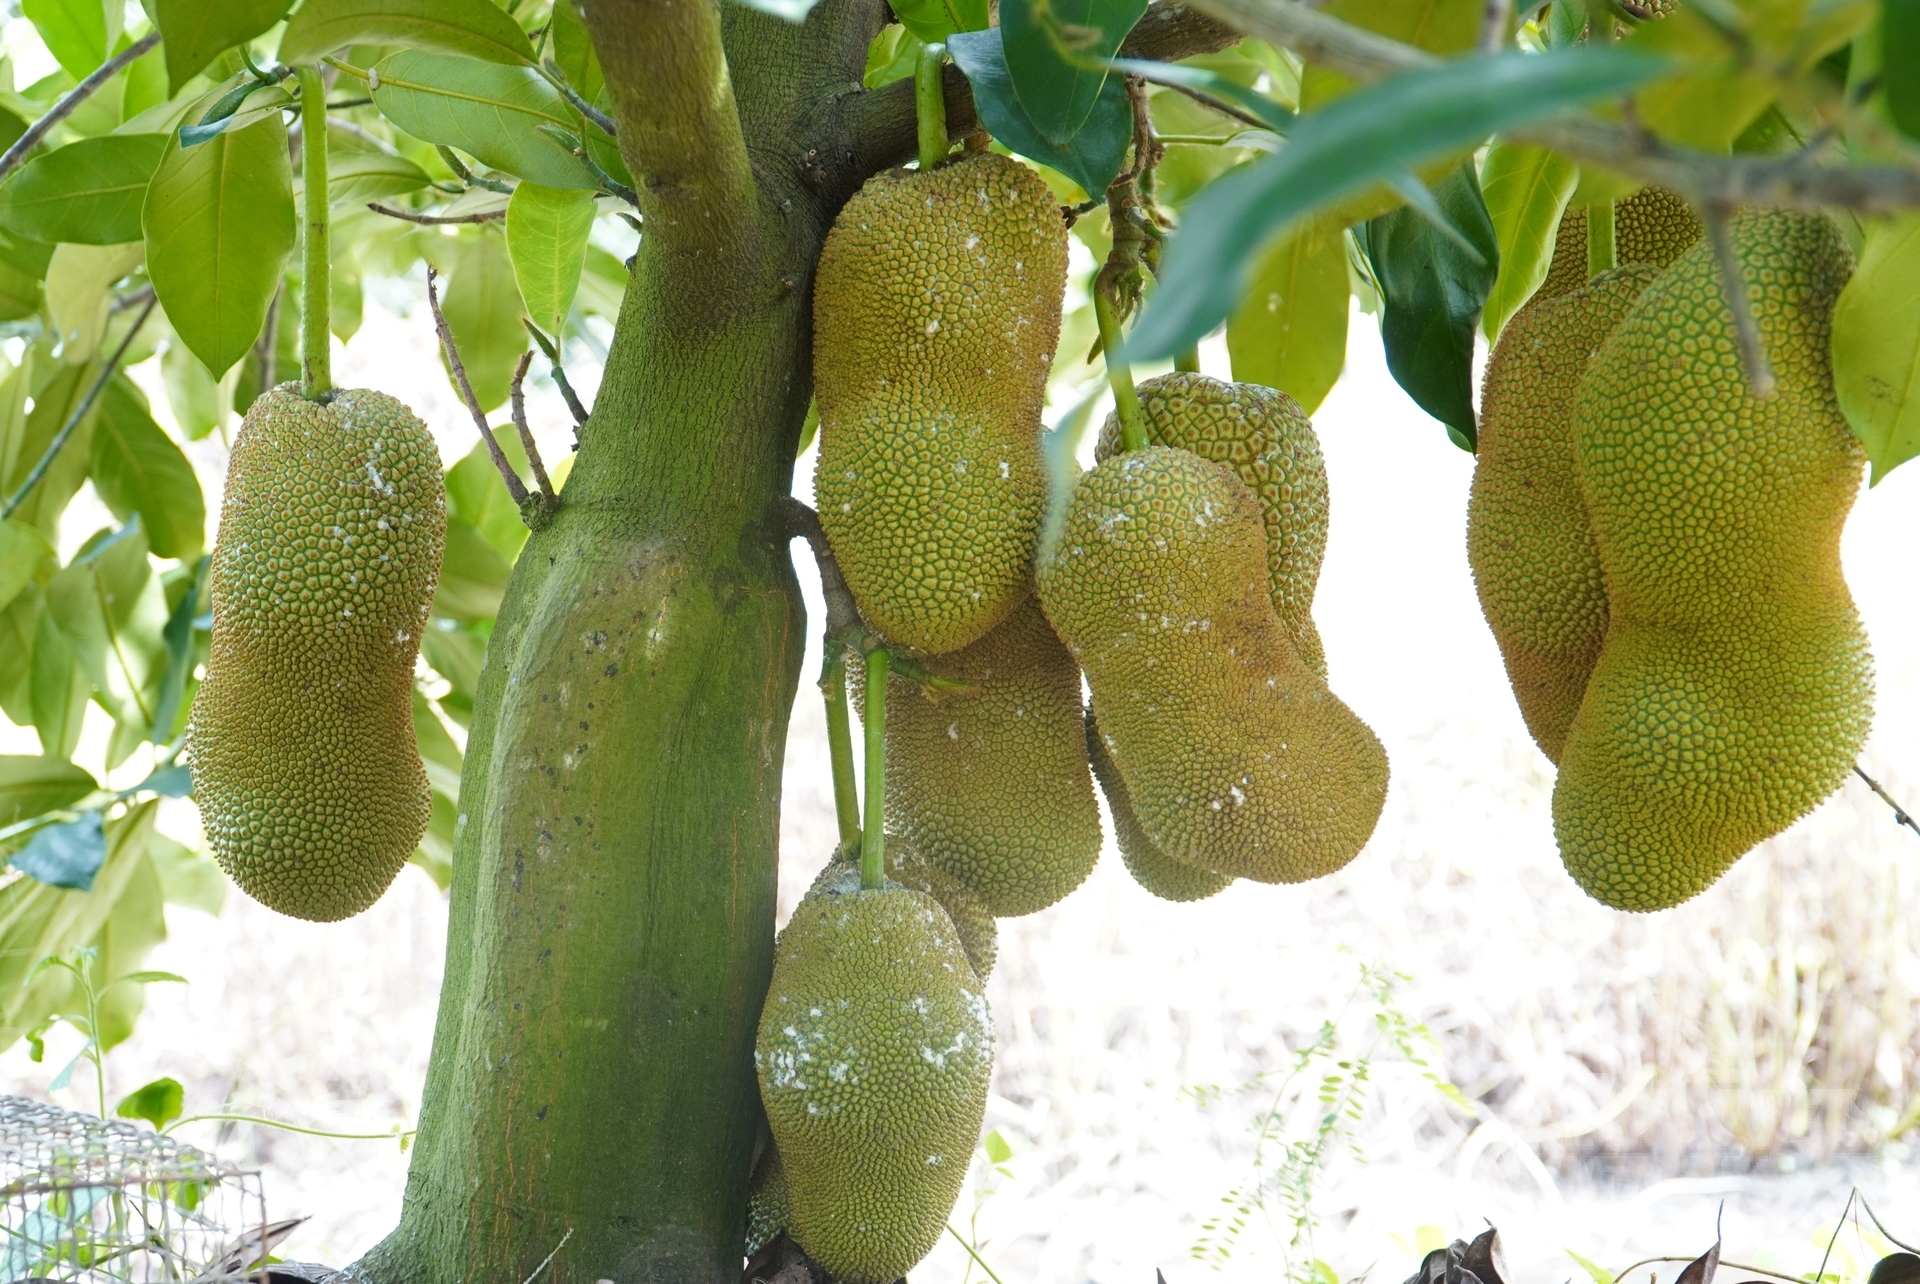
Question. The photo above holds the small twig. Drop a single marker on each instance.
(843, 617)
(1147, 148)
(1835, 1237)
(1733, 282)
(1214, 104)
(548, 1259)
(73, 98)
(551, 352)
(1872, 1217)
(437, 220)
(1493, 29)
(346, 103)
(518, 400)
(1724, 1265)
(581, 105)
(130, 300)
(516, 489)
(1900, 814)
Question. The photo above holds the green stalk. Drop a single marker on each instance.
(1600, 250)
(316, 356)
(1187, 360)
(930, 106)
(873, 840)
(846, 801)
(1126, 402)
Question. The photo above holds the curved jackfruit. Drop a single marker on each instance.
(766, 1200)
(989, 782)
(874, 1052)
(1534, 560)
(936, 310)
(1734, 688)
(304, 763)
(1152, 868)
(979, 934)
(1653, 226)
(1268, 441)
(1236, 757)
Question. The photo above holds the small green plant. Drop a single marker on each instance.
(993, 1174)
(79, 962)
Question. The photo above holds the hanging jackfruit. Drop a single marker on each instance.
(979, 934)
(1653, 226)
(1734, 688)
(304, 763)
(1236, 757)
(936, 311)
(1152, 868)
(1534, 561)
(874, 1053)
(767, 1213)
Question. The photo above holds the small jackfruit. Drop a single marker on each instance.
(979, 934)
(1734, 688)
(767, 1213)
(874, 1053)
(989, 781)
(1268, 441)
(1534, 560)
(1236, 757)
(303, 755)
(1653, 226)
(936, 310)
(1152, 868)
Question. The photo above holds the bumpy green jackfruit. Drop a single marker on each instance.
(936, 311)
(979, 934)
(767, 1213)
(1653, 226)
(874, 1052)
(1268, 441)
(1534, 559)
(1734, 688)
(304, 764)
(1152, 868)
(989, 782)
(1236, 757)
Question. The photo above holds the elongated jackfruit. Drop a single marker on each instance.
(979, 934)
(767, 1213)
(1535, 563)
(1236, 757)
(989, 781)
(1734, 688)
(304, 763)
(1152, 868)
(1268, 441)
(936, 310)
(1653, 226)
(874, 1052)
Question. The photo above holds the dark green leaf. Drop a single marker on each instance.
(29, 257)
(172, 781)
(1896, 1268)
(1900, 63)
(89, 191)
(930, 21)
(195, 32)
(66, 855)
(159, 1103)
(484, 309)
(1059, 94)
(490, 111)
(1091, 159)
(354, 178)
(476, 28)
(20, 293)
(31, 786)
(138, 469)
(1433, 289)
(223, 115)
(1353, 143)
(75, 32)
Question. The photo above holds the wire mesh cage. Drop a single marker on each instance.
(92, 1200)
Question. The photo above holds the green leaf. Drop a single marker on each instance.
(1290, 331)
(1437, 26)
(354, 178)
(220, 224)
(438, 752)
(998, 1151)
(476, 28)
(1347, 146)
(1900, 63)
(68, 472)
(1876, 344)
(192, 391)
(1526, 190)
(112, 613)
(26, 555)
(892, 55)
(65, 855)
(89, 191)
(58, 690)
(347, 298)
(31, 786)
(490, 111)
(483, 307)
(930, 21)
(20, 292)
(1433, 290)
(547, 230)
(80, 281)
(159, 1103)
(473, 577)
(186, 877)
(1059, 95)
(19, 622)
(195, 32)
(137, 468)
(1599, 1273)
(1092, 159)
(75, 32)
(475, 494)
(573, 51)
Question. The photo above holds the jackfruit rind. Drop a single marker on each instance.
(1734, 689)
(1152, 868)
(304, 763)
(989, 782)
(1654, 226)
(1264, 436)
(1236, 757)
(767, 1213)
(874, 1053)
(979, 934)
(936, 312)
(1535, 564)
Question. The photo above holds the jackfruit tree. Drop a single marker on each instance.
(922, 243)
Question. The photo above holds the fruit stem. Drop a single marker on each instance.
(1187, 360)
(846, 800)
(1600, 251)
(930, 105)
(1126, 402)
(316, 356)
(873, 840)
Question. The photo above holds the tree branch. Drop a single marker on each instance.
(24, 145)
(516, 489)
(436, 220)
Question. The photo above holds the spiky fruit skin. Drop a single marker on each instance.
(979, 934)
(1535, 563)
(304, 764)
(989, 782)
(767, 1212)
(1652, 227)
(936, 311)
(1152, 868)
(1236, 757)
(1268, 441)
(1734, 689)
(874, 1053)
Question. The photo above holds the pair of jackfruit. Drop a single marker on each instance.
(1657, 551)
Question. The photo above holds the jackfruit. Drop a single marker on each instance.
(936, 310)
(1152, 868)
(1236, 757)
(1653, 226)
(1265, 438)
(1534, 560)
(1734, 688)
(767, 1213)
(874, 1052)
(304, 764)
(989, 782)
(979, 934)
